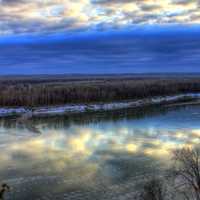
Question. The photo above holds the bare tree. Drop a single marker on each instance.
(187, 171)
(154, 189)
(4, 188)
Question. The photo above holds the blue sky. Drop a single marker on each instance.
(99, 36)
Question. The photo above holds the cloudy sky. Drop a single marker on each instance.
(99, 36)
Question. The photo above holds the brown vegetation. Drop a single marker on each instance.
(187, 170)
(186, 179)
(3, 189)
(154, 189)
(28, 91)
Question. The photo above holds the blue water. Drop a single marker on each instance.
(94, 148)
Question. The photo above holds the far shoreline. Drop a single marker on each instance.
(172, 100)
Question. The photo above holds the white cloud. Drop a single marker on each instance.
(24, 16)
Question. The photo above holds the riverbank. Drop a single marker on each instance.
(81, 108)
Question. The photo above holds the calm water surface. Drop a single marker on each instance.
(87, 154)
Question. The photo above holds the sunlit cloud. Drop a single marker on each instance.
(47, 16)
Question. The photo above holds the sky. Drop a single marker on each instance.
(99, 36)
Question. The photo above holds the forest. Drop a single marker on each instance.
(35, 91)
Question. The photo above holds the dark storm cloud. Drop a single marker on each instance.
(97, 36)
(113, 1)
(12, 1)
(184, 2)
(118, 1)
(163, 51)
(149, 7)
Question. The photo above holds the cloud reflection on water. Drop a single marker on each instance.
(85, 149)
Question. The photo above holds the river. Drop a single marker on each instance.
(99, 155)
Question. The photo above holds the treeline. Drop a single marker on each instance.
(52, 92)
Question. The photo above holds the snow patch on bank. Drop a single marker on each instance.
(12, 111)
(55, 110)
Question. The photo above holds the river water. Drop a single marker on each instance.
(94, 155)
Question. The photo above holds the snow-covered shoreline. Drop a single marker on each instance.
(80, 108)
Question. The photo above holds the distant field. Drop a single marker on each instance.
(58, 90)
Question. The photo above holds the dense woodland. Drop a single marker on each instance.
(39, 91)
